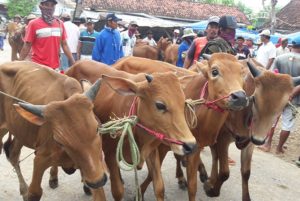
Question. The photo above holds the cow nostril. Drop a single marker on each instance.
(99, 183)
(189, 148)
(240, 95)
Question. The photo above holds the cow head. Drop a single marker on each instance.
(224, 74)
(75, 130)
(271, 95)
(160, 107)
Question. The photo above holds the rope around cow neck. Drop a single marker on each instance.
(190, 112)
(125, 124)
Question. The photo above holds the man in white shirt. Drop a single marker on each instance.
(149, 39)
(128, 38)
(282, 49)
(73, 34)
(267, 51)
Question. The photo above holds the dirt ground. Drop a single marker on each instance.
(273, 177)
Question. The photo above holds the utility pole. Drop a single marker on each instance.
(78, 9)
(273, 16)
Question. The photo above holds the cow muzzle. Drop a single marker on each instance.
(257, 141)
(238, 100)
(189, 148)
(97, 184)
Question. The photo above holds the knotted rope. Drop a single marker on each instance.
(190, 111)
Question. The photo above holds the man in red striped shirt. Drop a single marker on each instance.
(45, 35)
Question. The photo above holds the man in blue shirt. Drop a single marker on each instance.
(108, 47)
(187, 39)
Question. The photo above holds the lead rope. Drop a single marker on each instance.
(125, 124)
(190, 112)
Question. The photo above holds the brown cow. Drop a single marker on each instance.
(170, 52)
(59, 128)
(224, 75)
(160, 107)
(150, 52)
(270, 93)
(15, 40)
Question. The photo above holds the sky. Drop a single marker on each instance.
(256, 5)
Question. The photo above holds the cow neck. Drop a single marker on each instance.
(211, 104)
(158, 135)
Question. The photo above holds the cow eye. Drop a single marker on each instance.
(214, 72)
(160, 106)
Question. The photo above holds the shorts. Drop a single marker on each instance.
(287, 119)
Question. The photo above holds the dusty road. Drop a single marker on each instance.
(272, 179)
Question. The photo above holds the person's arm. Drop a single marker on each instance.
(295, 92)
(79, 50)
(97, 50)
(188, 61)
(25, 50)
(270, 62)
(67, 51)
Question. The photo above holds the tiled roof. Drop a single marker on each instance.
(288, 18)
(168, 8)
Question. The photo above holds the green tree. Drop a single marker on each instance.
(21, 7)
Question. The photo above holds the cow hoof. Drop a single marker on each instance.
(209, 190)
(87, 190)
(182, 184)
(203, 177)
(53, 183)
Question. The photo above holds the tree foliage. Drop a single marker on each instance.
(21, 7)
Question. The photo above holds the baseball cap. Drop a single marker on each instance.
(213, 19)
(133, 23)
(265, 32)
(89, 21)
(296, 42)
(54, 1)
(176, 31)
(228, 22)
(112, 17)
(66, 15)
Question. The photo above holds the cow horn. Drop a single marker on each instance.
(207, 56)
(34, 109)
(296, 80)
(149, 78)
(254, 71)
(92, 92)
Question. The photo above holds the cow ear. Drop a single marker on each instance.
(202, 67)
(32, 118)
(122, 86)
(85, 85)
(185, 80)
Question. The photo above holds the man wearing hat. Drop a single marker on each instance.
(176, 39)
(198, 44)
(108, 46)
(282, 49)
(241, 50)
(149, 39)
(267, 51)
(288, 63)
(45, 35)
(87, 41)
(73, 34)
(188, 37)
(128, 38)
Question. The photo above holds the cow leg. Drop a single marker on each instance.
(162, 150)
(41, 163)
(191, 170)
(202, 171)
(12, 150)
(13, 53)
(117, 187)
(154, 168)
(53, 180)
(3, 132)
(246, 157)
(179, 173)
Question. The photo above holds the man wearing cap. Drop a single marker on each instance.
(188, 37)
(87, 41)
(267, 51)
(225, 41)
(73, 33)
(282, 49)
(176, 39)
(128, 38)
(197, 45)
(108, 47)
(149, 39)
(45, 35)
(288, 63)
